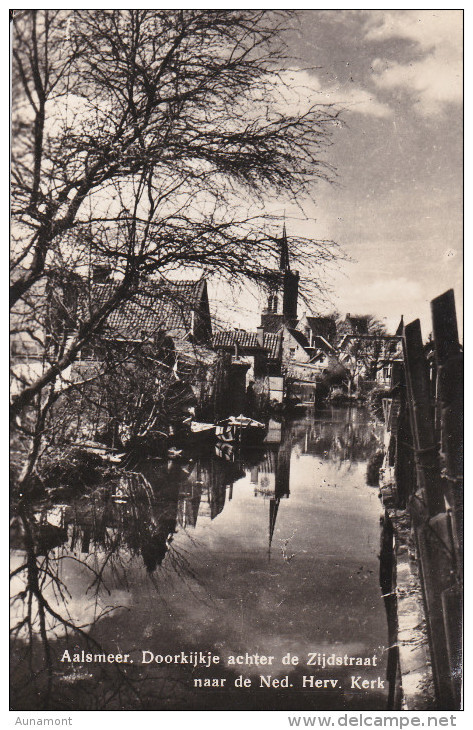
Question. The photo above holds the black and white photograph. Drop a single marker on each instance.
(236, 361)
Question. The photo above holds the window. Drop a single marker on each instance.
(292, 353)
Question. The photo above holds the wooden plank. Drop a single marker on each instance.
(434, 573)
(453, 620)
(449, 360)
(425, 444)
(445, 329)
(449, 381)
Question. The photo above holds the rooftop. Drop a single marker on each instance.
(169, 306)
(248, 341)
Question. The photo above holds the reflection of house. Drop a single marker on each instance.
(274, 432)
(270, 477)
(202, 492)
(343, 439)
(189, 505)
(141, 523)
(263, 475)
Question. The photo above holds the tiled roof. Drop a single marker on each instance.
(189, 352)
(155, 306)
(248, 341)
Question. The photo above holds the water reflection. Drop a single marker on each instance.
(174, 557)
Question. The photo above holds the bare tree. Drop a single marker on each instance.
(149, 142)
(138, 137)
(51, 614)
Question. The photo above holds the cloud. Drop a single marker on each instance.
(357, 100)
(300, 89)
(434, 75)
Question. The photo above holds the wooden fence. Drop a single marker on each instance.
(424, 416)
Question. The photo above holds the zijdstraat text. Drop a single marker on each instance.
(207, 659)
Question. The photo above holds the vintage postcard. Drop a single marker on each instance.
(236, 380)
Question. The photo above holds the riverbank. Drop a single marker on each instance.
(415, 668)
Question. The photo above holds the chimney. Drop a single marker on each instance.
(260, 336)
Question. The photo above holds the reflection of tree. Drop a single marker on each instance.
(128, 519)
(50, 613)
(42, 625)
(103, 534)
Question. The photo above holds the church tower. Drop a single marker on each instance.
(282, 300)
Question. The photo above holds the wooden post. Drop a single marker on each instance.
(449, 381)
(452, 609)
(449, 360)
(431, 521)
(434, 569)
(425, 446)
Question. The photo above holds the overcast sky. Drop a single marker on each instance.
(397, 207)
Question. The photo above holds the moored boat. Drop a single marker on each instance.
(202, 431)
(240, 429)
(193, 433)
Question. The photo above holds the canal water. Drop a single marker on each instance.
(218, 580)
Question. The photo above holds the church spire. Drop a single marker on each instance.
(282, 299)
(284, 262)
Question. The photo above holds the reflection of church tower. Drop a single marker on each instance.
(282, 478)
(282, 299)
(283, 466)
(271, 477)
